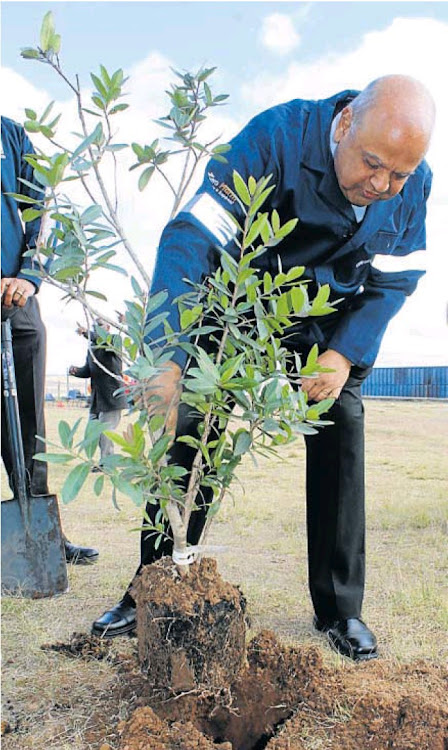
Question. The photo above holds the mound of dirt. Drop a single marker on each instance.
(287, 699)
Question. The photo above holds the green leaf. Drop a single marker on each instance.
(88, 141)
(99, 85)
(295, 273)
(30, 113)
(22, 198)
(321, 298)
(65, 434)
(46, 31)
(286, 229)
(30, 214)
(28, 53)
(46, 112)
(118, 108)
(258, 202)
(267, 282)
(255, 230)
(105, 75)
(241, 189)
(298, 299)
(242, 440)
(223, 148)
(54, 458)
(32, 127)
(91, 214)
(55, 43)
(74, 482)
(145, 177)
(320, 407)
(159, 448)
(98, 485)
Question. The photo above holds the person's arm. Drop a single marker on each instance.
(391, 279)
(32, 228)
(190, 244)
(80, 372)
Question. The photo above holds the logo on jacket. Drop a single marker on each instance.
(222, 189)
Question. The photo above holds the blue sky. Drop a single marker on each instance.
(225, 34)
(266, 52)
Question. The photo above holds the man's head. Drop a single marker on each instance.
(382, 136)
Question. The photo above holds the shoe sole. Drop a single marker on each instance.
(129, 630)
(82, 560)
(350, 654)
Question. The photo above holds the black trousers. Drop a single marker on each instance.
(29, 347)
(335, 504)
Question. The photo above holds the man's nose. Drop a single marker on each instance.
(380, 182)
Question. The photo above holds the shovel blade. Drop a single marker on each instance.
(33, 556)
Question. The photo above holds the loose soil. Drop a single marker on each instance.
(278, 697)
(285, 698)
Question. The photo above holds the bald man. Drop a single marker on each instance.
(351, 169)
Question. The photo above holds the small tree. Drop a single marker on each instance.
(243, 315)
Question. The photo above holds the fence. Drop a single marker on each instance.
(407, 382)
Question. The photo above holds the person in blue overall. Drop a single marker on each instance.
(352, 169)
(19, 287)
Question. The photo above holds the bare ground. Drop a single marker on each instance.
(51, 701)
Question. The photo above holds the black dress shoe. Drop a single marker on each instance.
(79, 555)
(349, 637)
(119, 620)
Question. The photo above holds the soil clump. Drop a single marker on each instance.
(191, 630)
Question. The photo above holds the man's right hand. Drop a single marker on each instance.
(72, 370)
(15, 292)
(161, 395)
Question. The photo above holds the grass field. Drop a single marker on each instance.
(261, 545)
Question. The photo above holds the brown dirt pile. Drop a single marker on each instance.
(287, 699)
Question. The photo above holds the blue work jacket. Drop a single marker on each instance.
(16, 239)
(292, 142)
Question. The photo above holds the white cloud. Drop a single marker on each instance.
(278, 34)
(415, 47)
(142, 215)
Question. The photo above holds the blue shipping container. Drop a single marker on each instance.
(407, 382)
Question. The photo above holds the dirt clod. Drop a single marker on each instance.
(81, 646)
(191, 630)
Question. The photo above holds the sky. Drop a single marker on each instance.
(265, 53)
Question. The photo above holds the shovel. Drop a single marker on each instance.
(33, 556)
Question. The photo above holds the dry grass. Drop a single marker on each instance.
(54, 700)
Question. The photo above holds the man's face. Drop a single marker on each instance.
(374, 159)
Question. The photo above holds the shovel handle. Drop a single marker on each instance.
(12, 418)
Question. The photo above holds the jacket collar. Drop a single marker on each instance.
(316, 143)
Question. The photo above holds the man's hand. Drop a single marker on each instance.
(81, 330)
(161, 394)
(16, 292)
(72, 370)
(328, 384)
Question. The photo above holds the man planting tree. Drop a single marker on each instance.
(351, 169)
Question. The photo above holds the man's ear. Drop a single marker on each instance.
(344, 123)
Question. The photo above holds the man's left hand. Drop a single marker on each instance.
(328, 384)
(16, 292)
